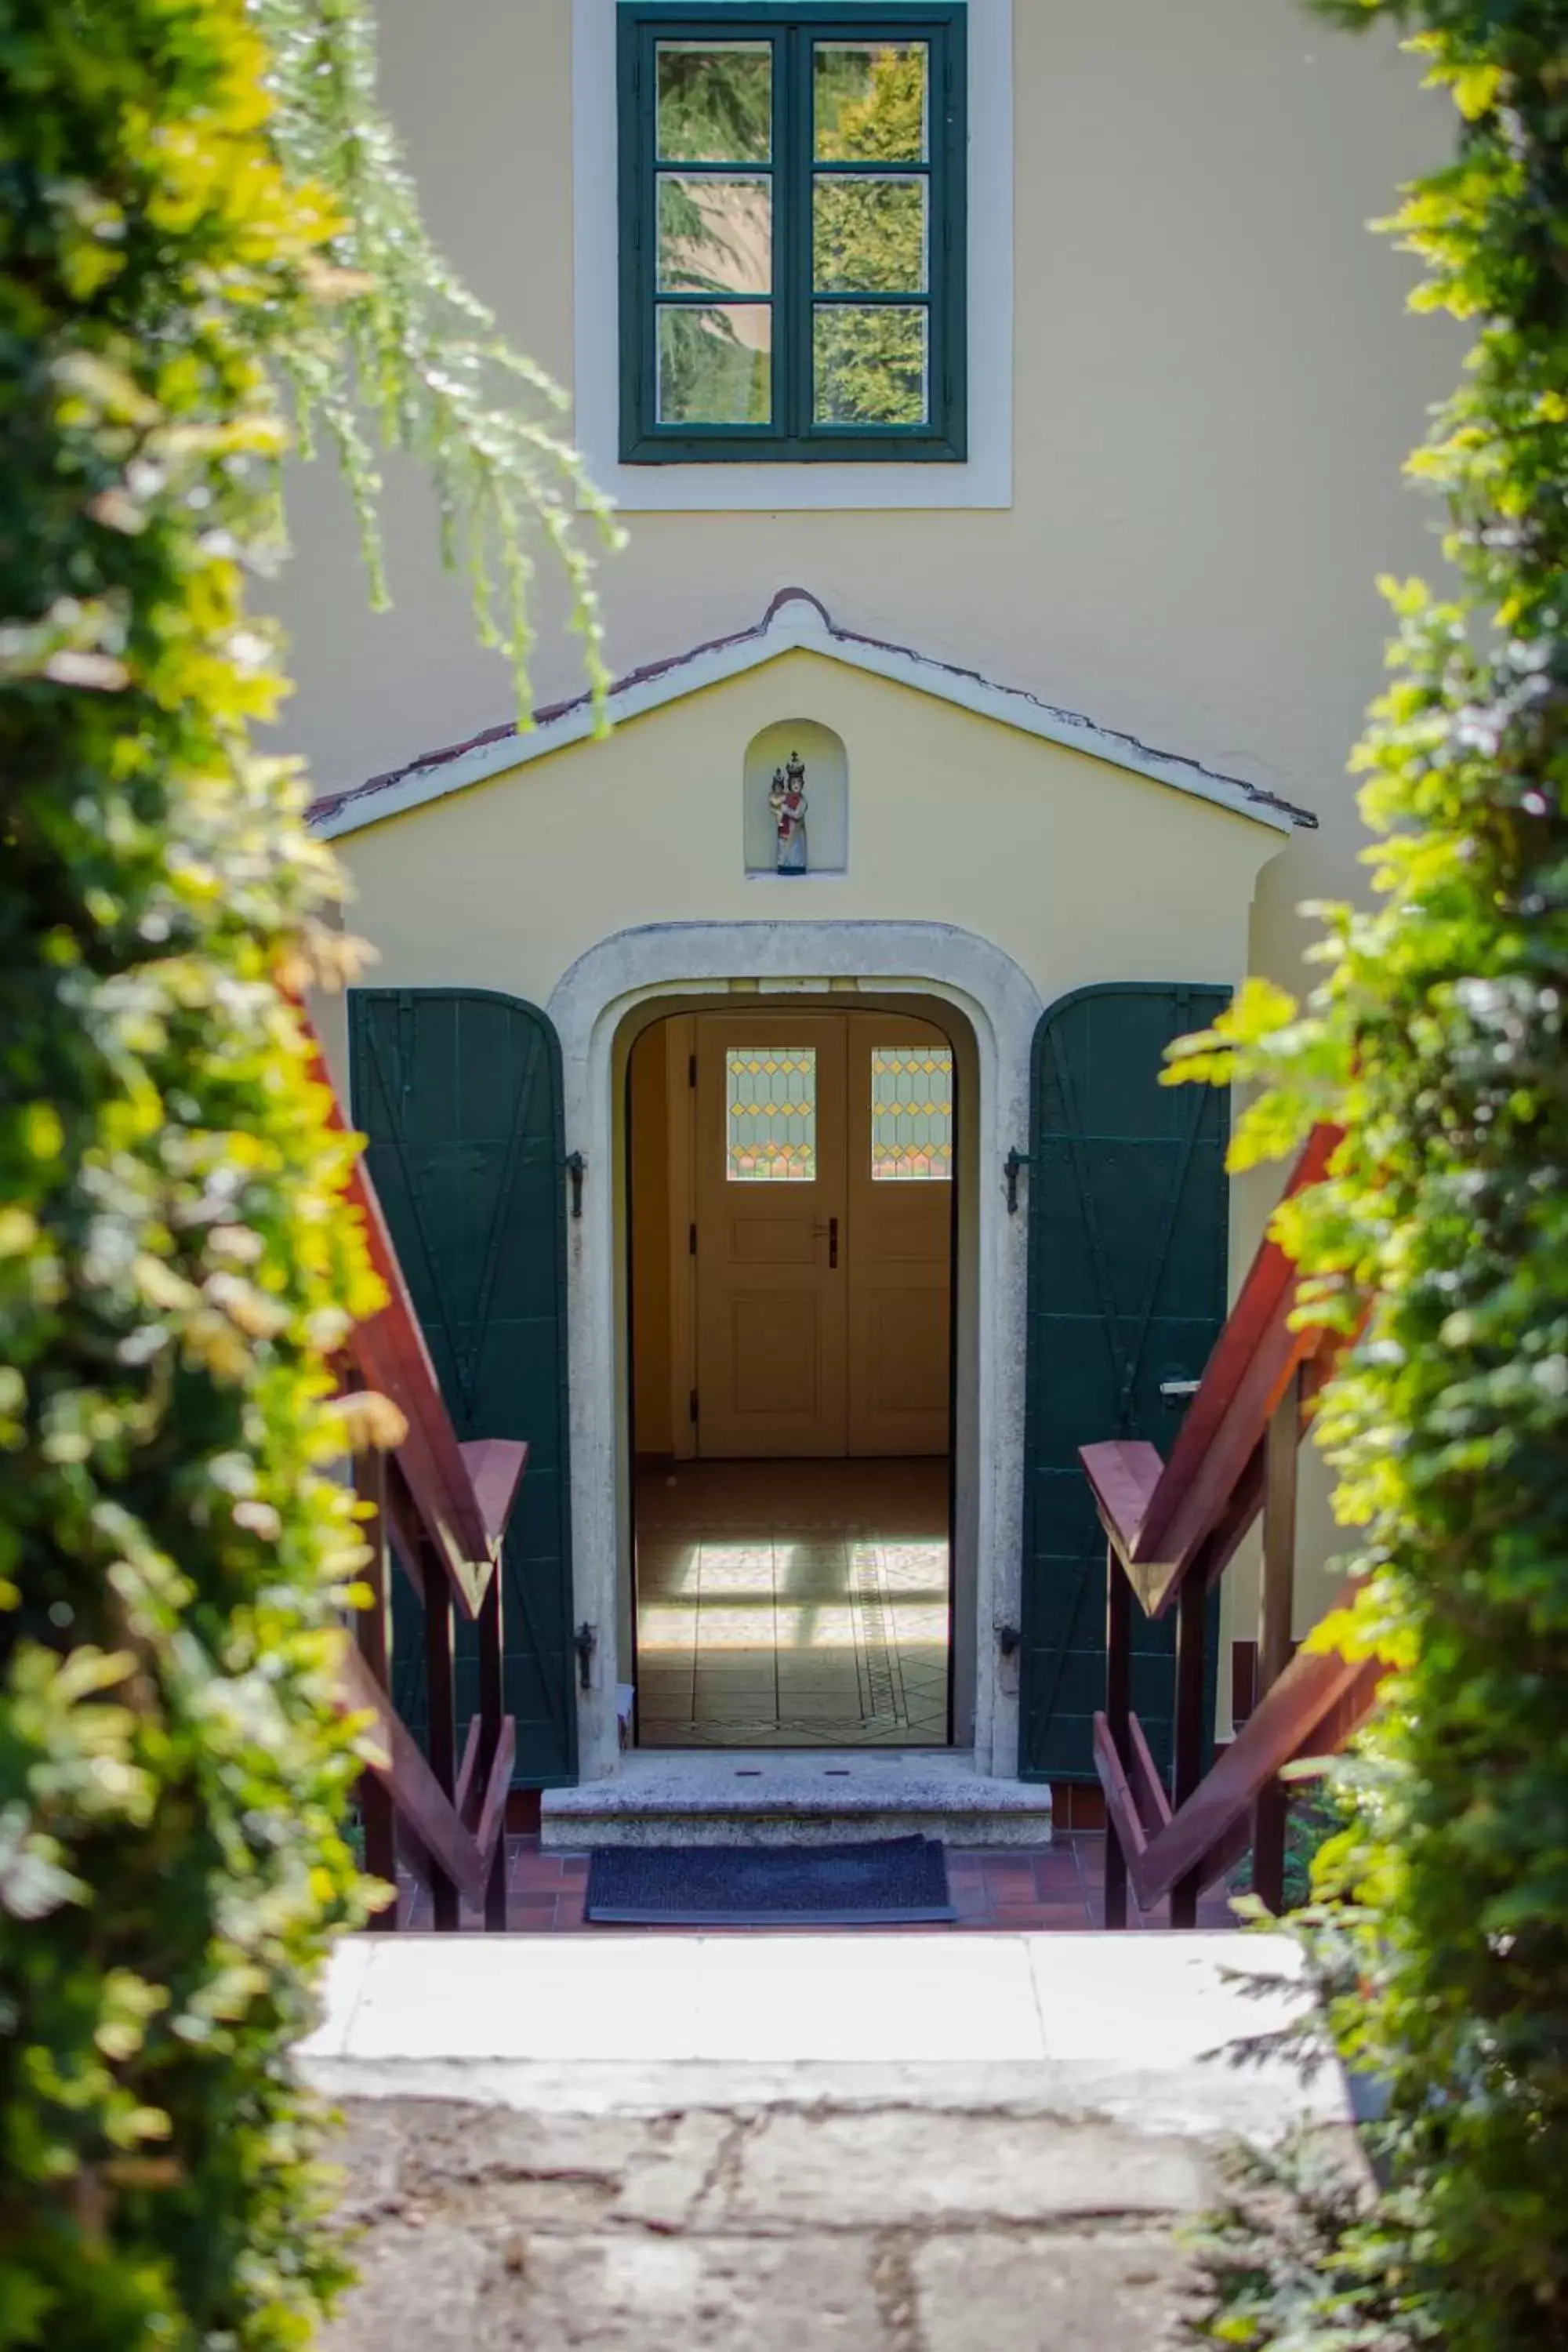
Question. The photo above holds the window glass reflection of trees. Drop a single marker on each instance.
(870, 105)
(870, 228)
(714, 232)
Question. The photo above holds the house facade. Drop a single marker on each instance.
(1004, 402)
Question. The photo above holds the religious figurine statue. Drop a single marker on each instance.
(788, 802)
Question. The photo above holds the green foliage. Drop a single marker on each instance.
(1314, 1818)
(176, 1269)
(1435, 1040)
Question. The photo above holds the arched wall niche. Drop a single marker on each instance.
(827, 795)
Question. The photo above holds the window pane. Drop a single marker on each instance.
(715, 235)
(715, 364)
(869, 363)
(715, 101)
(912, 1115)
(870, 101)
(869, 234)
(773, 1115)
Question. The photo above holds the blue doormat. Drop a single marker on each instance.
(893, 1883)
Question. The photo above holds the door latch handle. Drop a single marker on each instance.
(1174, 1390)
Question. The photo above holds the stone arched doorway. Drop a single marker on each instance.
(603, 1004)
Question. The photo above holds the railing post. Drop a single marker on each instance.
(373, 1635)
(1192, 1615)
(1118, 1718)
(492, 1706)
(440, 1701)
(1276, 1618)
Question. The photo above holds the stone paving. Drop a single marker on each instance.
(978, 2143)
(887, 2228)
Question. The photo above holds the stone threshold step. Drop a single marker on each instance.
(752, 1797)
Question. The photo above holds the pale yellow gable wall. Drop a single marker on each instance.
(1078, 871)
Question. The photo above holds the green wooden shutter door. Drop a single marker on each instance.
(1128, 1248)
(459, 1091)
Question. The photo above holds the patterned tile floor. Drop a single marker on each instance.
(793, 1604)
(1060, 1889)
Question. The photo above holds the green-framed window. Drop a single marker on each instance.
(791, 200)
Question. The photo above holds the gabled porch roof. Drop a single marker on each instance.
(794, 621)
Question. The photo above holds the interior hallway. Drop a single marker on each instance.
(793, 1604)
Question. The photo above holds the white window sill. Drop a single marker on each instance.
(794, 881)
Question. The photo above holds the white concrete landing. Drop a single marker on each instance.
(752, 1797)
(1142, 2028)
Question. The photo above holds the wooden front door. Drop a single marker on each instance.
(772, 1301)
(824, 1198)
(901, 1125)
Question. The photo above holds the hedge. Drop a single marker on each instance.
(176, 1550)
(1436, 1039)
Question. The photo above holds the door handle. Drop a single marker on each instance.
(1174, 1390)
(831, 1230)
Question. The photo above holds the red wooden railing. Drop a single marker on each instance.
(1171, 1529)
(438, 1511)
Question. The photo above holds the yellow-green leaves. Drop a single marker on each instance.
(1436, 1039)
(175, 1262)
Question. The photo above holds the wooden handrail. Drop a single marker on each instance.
(1171, 1528)
(1312, 1711)
(1158, 1517)
(440, 1509)
(437, 1839)
(389, 1354)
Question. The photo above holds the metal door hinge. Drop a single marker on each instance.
(693, 1408)
(1012, 1167)
(691, 1069)
(586, 1640)
(576, 1168)
(692, 1240)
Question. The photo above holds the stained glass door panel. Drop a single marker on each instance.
(911, 1112)
(770, 1098)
